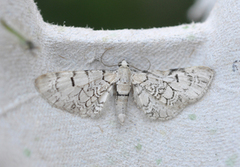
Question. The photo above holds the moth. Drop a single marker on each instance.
(160, 94)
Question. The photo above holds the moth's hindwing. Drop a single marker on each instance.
(164, 94)
(80, 92)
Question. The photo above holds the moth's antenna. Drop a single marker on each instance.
(101, 58)
(139, 69)
(149, 64)
(191, 52)
(135, 67)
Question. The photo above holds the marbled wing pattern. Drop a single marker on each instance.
(80, 92)
(164, 94)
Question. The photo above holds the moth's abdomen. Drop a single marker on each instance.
(123, 87)
(121, 107)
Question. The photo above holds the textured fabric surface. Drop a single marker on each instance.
(32, 133)
(200, 10)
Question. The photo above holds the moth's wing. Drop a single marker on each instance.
(164, 94)
(80, 92)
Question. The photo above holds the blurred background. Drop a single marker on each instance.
(115, 14)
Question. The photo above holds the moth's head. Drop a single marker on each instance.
(123, 63)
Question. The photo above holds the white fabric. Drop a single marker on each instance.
(200, 10)
(32, 133)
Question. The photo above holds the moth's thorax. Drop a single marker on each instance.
(124, 80)
(124, 64)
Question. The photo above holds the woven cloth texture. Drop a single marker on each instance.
(33, 133)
